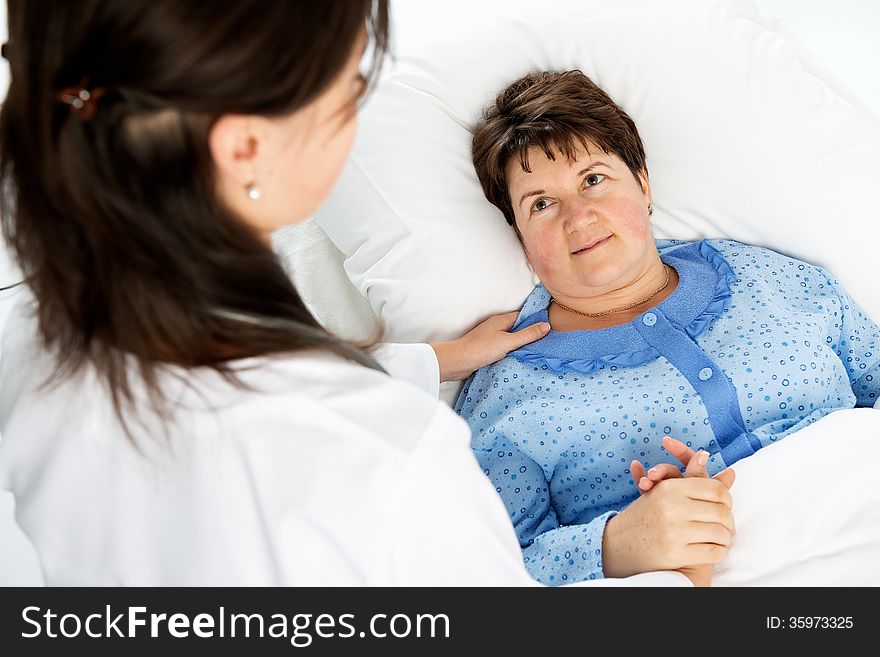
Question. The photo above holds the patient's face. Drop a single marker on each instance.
(584, 224)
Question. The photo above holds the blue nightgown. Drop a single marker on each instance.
(750, 347)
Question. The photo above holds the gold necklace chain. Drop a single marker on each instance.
(627, 307)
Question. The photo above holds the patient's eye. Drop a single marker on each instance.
(593, 179)
(540, 204)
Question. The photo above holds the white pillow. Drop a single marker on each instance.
(837, 41)
(741, 142)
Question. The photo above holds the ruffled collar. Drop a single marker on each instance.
(701, 296)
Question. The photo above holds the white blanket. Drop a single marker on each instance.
(807, 509)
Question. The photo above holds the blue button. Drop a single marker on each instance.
(705, 374)
(649, 319)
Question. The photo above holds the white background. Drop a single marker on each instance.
(839, 42)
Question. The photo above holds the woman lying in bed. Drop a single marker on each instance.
(725, 346)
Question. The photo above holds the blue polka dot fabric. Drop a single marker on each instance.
(750, 347)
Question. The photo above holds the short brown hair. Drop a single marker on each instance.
(555, 111)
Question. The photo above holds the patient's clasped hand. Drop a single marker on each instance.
(725, 346)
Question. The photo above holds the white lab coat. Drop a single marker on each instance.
(328, 473)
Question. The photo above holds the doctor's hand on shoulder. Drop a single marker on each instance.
(487, 343)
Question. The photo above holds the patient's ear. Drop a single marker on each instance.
(234, 142)
(645, 185)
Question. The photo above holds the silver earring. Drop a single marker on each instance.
(253, 191)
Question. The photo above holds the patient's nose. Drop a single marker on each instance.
(578, 215)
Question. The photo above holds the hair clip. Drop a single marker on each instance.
(82, 102)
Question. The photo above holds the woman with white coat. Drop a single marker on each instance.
(171, 412)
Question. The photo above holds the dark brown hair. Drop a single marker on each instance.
(556, 112)
(113, 216)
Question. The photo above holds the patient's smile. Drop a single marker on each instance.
(595, 244)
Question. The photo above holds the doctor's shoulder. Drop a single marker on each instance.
(328, 395)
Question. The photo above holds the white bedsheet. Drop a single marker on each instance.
(807, 509)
